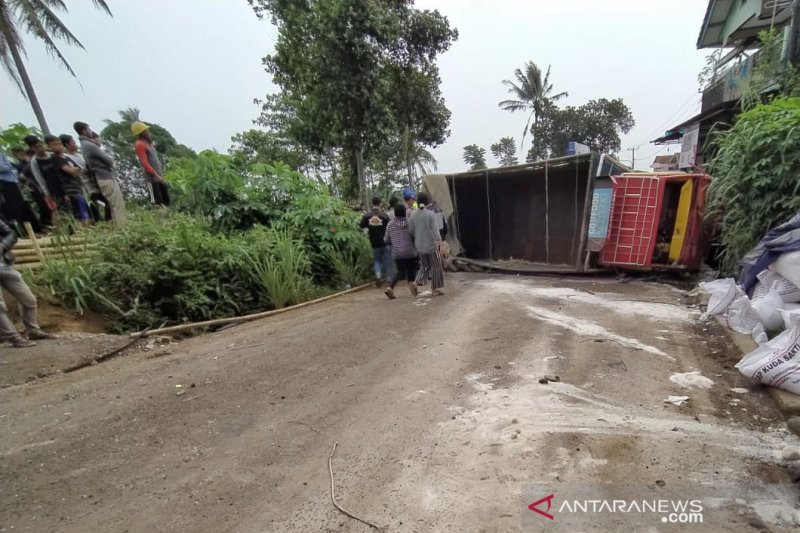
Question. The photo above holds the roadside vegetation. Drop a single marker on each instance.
(756, 163)
(236, 244)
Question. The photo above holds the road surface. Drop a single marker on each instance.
(441, 419)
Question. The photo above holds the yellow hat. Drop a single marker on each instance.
(137, 128)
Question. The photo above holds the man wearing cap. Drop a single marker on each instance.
(410, 199)
(153, 171)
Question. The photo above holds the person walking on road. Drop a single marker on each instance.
(101, 165)
(151, 164)
(424, 228)
(403, 251)
(375, 222)
(11, 281)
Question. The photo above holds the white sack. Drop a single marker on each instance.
(777, 362)
(768, 279)
(788, 266)
(768, 307)
(723, 293)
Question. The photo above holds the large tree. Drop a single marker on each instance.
(475, 157)
(505, 151)
(597, 124)
(355, 71)
(118, 139)
(39, 19)
(532, 93)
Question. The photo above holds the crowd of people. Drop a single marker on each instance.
(60, 175)
(408, 242)
(56, 177)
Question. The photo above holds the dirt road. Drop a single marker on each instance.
(438, 409)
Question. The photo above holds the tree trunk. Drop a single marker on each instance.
(362, 182)
(407, 156)
(26, 82)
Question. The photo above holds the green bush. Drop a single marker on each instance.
(756, 176)
(270, 195)
(235, 244)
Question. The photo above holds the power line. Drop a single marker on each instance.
(680, 109)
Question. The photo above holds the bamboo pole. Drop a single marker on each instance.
(34, 242)
(245, 318)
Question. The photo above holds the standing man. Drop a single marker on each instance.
(89, 184)
(12, 281)
(69, 175)
(375, 222)
(410, 200)
(102, 166)
(43, 176)
(28, 181)
(153, 171)
(16, 207)
(393, 201)
(424, 228)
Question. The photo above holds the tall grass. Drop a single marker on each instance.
(351, 264)
(281, 266)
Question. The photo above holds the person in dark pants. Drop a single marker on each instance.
(16, 206)
(69, 175)
(403, 251)
(375, 223)
(28, 183)
(43, 175)
(151, 164)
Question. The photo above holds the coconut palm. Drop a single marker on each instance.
(423, 162)
(532, 93)
(38, 18)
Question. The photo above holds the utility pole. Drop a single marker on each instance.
(633, 155)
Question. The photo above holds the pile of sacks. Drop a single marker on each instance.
(766, 304)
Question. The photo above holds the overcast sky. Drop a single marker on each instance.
(194, 66)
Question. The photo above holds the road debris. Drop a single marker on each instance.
(691, 379)
(677, 400)
(333, 493)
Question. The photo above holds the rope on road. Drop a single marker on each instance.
(333, 495)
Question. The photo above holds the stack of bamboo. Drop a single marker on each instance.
(34, 251)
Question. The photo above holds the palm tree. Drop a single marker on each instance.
(423, 163)
(37, 17)
(532, 94)
(128, 115)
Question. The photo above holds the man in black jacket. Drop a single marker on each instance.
(12, 281)
(375, 223)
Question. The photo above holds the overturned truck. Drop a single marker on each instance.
(548, 216)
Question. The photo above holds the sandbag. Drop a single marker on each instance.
(740, 316)
(768, 307)
(789, 291)
(723, 293)
(788, 266)
(777, 362)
